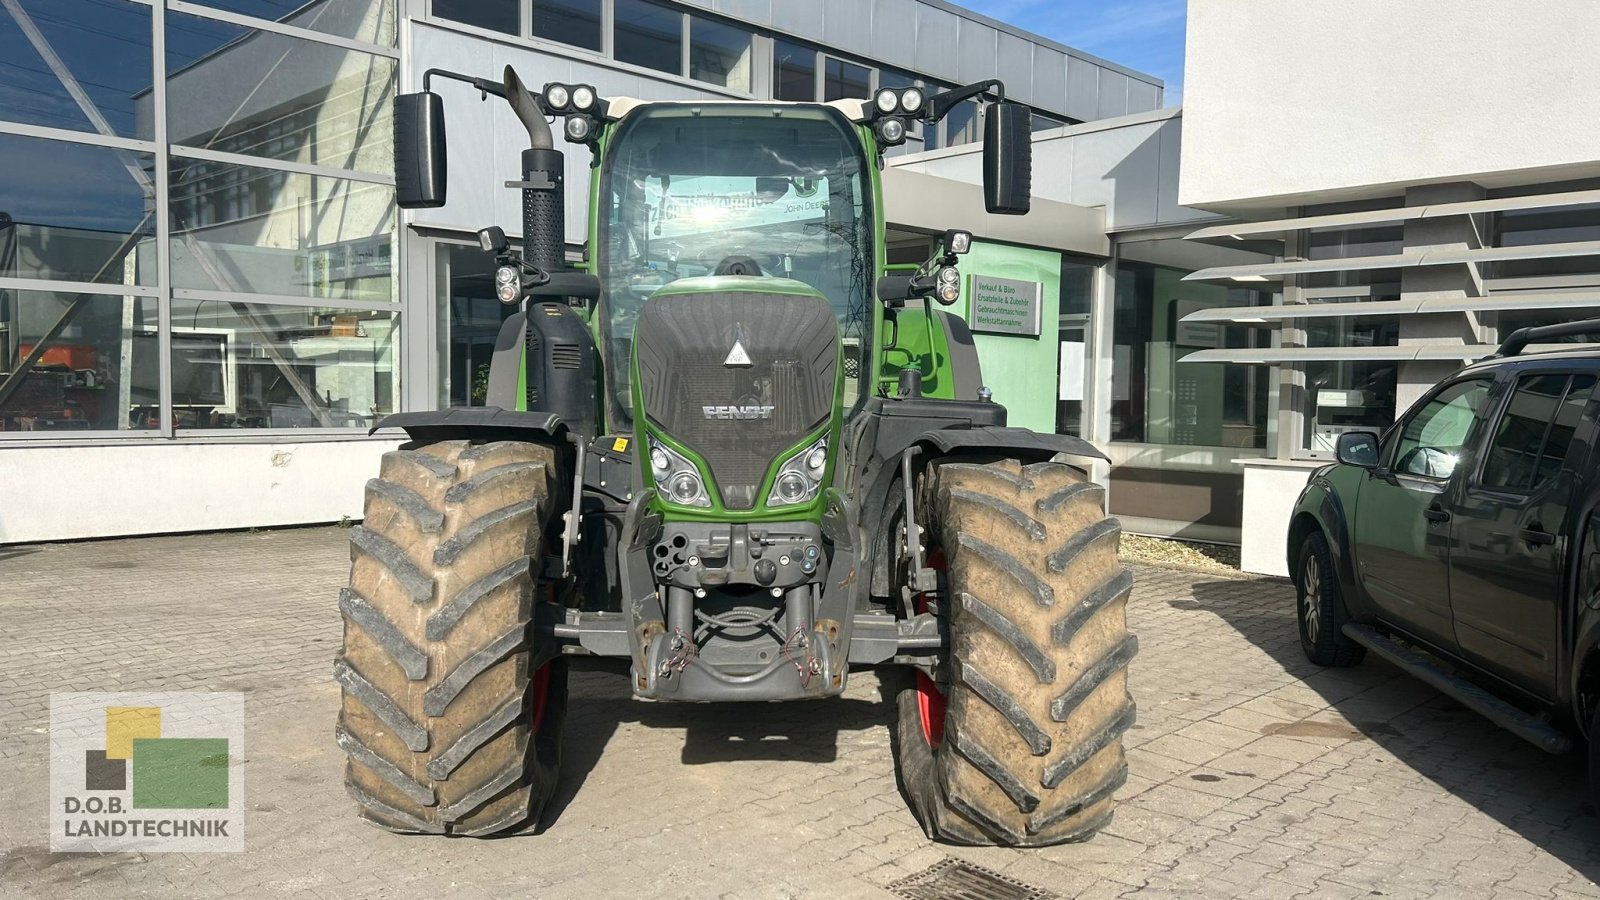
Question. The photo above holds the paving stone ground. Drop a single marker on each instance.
(1255, 774)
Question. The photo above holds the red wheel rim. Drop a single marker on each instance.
(930, 700)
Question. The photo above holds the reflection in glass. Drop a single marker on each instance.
(963, 124)
(81, 214)
(245, 229)
(104, 46)
(719, 54)
(469, 320)
(1347, 395)
(264, 94)
(495, 15)
(575, 22)
(843, 80)
(650, 35)
(372, 21)
(250, 365)
(86, 370)
(794, 72)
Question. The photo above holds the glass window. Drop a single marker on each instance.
(1524, 228)
(842, 80)
(575, 22)
(1347, 395)
(470, 318)
(1430, 443)
(105, 49)
(372, 21)
(650, 35)
(242, 228)
(503, 16)
(264, 94)
(1077, 286)
(1042, 122)
(252, 365)
(1158, 399)
(82, 213)
(719, 54)
(794, 72)
(1535, 431)
(963, 124)
(87, 374)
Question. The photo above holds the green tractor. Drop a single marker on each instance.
(739, 454)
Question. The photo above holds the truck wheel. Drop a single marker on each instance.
(1320, 607)
(1024, 746)
(447, 727)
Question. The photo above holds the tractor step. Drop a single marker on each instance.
(1535, 731)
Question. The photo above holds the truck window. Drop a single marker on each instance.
(1513, 457)
(1430, 443)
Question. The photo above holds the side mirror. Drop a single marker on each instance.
(1358, 448)
(419, 150)
(1007, 159)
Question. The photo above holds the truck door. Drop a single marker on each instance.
(1402, 529)
(1508, 547)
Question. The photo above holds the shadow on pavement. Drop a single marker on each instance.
(1540, 797)
(804, 731)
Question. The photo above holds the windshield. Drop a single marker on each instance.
(698, 190)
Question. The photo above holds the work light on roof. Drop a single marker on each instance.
(557, 96)
(887, 101)
(911, 100)
(583, 97)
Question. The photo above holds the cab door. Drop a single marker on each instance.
(1508, 548)
(1402, 525)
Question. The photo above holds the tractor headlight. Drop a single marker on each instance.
(911, 100)
(800, 478)
(507, 284)
(582, 97)
(676, 478)
(890, 131)
(579, 128)
(887, 101)
(557, 96)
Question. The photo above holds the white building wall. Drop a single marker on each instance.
(1284, 98)
(65, 493)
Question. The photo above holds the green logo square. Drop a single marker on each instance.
(180, 773)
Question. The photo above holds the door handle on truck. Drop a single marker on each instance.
(1435, 514)
(1537, 538)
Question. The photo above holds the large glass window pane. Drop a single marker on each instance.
(649, 35)
(104, 46)
(80, 213)
(719, 54)
(252, 365)
(794, 72)
(469, 321)
(1431, 441)
(843, 80)
(575, 22)
(1157, 399)
(86, 374)
(504, 16)
(1077, 287)
(373, 21)
(963, 124)
(1526, 228)
(242, 228)
(264, 94)
(1347, 395)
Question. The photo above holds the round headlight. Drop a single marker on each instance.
(658, 459)
(556, 96)
(578, 128)
(891, 130)
(506, 292)
(886, 101)
(817, 459)
(949, 275)
(792, 487)
(582, 97)
(949, 293)
(684, 488)
(911, 99)
(505, 275)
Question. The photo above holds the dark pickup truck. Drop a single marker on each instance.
(1463, 544)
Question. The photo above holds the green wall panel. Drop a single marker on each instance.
(1021, 370)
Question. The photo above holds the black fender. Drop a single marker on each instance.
(1582, 605)
(479, 423)
(1320, 508)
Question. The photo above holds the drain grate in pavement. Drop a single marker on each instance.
(952, 879)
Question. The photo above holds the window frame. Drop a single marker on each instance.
(1513, 381)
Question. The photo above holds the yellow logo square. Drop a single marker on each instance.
(125, 724)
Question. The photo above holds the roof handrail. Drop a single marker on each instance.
(1517, 340)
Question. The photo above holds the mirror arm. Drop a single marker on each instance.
(485, 86)
(940, 104)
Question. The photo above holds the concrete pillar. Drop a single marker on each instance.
(1457, 280)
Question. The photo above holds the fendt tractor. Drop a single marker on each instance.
(736, 452)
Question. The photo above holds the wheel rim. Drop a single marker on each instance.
(1311, 587)
(930, 700)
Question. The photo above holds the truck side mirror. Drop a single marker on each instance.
(1007, 159)
(419, 150)
(1358, 448)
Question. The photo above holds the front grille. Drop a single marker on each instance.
(681, 343)
(566, 356)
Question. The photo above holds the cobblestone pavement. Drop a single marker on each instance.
(1255, 774)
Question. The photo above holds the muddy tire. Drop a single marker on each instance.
(1029, 750)
(1319, 607)
(447, 726)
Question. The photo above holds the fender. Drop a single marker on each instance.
(479, 423)
(1581, 611)
(1022, 441)
(1321, 504)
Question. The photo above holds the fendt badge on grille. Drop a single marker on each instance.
(738, 356)
(738, 412)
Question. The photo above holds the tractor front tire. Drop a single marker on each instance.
(447, 727)
(1029, 749)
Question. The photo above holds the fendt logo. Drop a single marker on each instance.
(738, 412)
